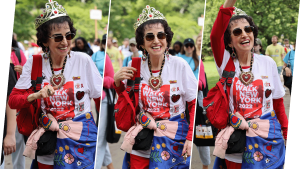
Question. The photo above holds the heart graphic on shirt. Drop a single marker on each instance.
(79, 95)
(268, 93)
(269, 147)
(175, 97)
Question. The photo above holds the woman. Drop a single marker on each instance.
(134, 50)
(177, 47)
(81, 45)
(198, 44)
(188, 53)
(255, 101)
(289, 58)
(103, 157)
(70, 79)
(166, 103)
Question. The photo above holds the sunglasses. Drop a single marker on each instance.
(189, 45)
(151, 36)
(59, 38)
(239, 31)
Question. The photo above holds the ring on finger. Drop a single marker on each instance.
(129, 71)
(49, 92)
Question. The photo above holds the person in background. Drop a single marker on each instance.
(276, 52)
(188, 53)
(198, 44)
(96, 45)
(258, 49)
(114, 54)
(177, 47)
(81, 45)
(289, 58)
(134, 50)
(125, 48)
(287, 44)
(115, 43)
(204, 151)
(20, 45)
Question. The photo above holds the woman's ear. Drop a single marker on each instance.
(230, 45)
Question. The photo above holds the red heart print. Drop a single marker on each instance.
(57, 80)
(234, 119)
(175, 148)
(246, 77)
(80, 150)
(268, 93)
(144, 118)
(175, 98)
(154, 82)
(79, 95)
(269, 147)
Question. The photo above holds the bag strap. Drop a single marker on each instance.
(136, 63)
(36, 73)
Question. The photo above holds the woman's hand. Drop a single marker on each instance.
(18, 68)
(288, 71)
(9, 144)
(229, 3)
(45, 92)
(187, 148)
(122, 74)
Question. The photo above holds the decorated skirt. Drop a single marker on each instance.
(167, 145)
(78, 152)
(264, 144)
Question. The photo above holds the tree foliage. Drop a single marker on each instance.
(273, 17)
(27, 10)
(182, 17)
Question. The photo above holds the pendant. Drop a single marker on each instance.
(246, 78)
(57, 80)
(155, 82)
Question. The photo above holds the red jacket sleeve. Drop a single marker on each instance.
(217, 33)
(281, 116)
(119, 89)
(18, 98)
(191, 107)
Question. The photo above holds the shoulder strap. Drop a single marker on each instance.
(228, 73)
(36, 73)
(136, 63)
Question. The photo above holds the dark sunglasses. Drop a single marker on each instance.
(151, 36)
(239, 31)
(189, 45)
(59, 38)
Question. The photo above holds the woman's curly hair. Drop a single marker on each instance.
(139, 33)
(43, 32)
(227, 34)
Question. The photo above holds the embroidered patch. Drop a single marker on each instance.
(272, 113)
(79, 163)
(76, 77)
(69, 158)
(162, 126)
(81, 106)
(154, 156)
(77, 86)
(81, 85)
(165, 155)
(182, 115)
(176, 108)
(65, 127)
(79, 95)
(173, 89)
(173, 81)
(46, 122)
(235, 121)
(254, 125)
(264, 77)
(58, 160)
(88, 116)
(173, 160)
(267, 84)
(144, 120)
(268, 104)
(269, 147)
(267, 160)
(258, 156)
(175, 98)
(81, 150)
(247, 156)
(268, 93)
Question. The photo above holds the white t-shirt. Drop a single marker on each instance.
(179, 86)
(256, 99)
(83, 82)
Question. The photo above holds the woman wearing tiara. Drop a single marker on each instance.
(164, 100)
(70, 80)
(255, 94)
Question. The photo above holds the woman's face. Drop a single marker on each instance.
(59, 49)
(189, 48)
(177, 48)
(243, 42)
(198, 42)
(80, 44)
(155, 47)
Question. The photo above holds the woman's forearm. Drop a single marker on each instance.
(229, 3)
(11, 120)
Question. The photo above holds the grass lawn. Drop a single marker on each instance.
(211, 71)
